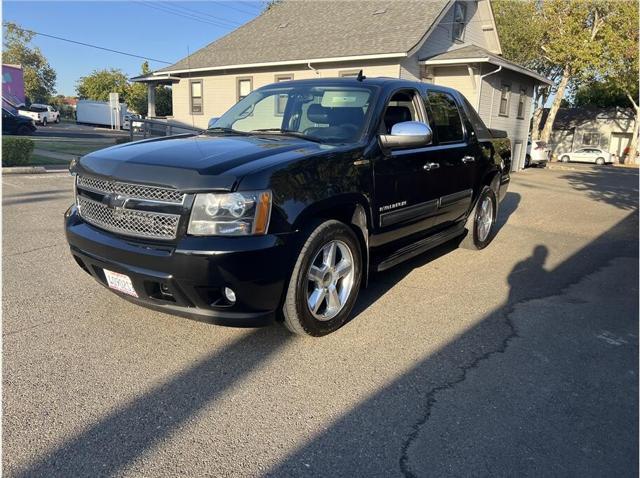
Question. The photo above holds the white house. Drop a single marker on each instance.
(450, 43)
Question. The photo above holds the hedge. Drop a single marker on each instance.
(16, 151)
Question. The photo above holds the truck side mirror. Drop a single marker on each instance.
(408, 134)
(212, 121)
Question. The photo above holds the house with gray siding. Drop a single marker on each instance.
(610, 129)
(449, 43)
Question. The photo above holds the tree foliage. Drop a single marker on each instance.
(138, 96)
(100, 83)
(39, 76)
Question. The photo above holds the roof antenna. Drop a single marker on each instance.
(360, 76)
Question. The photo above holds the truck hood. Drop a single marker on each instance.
(194, 163)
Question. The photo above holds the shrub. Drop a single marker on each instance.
(16, 151)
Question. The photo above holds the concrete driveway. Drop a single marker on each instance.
(517, 360)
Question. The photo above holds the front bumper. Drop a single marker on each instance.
(187, 278)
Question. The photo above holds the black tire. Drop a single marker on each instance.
(473, 239)
(58, 120)
(565, 159)
(298, 317)
(23, 131)
(527, 161)
(600, 161)
(44, 121)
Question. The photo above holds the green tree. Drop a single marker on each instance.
(137, 100)
(577, 43)
(39, 76)
(164, 101)
(601, 94)
(100, 83)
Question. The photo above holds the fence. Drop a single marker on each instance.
(149, 128)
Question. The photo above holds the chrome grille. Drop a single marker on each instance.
(152, 225)
(137, 191)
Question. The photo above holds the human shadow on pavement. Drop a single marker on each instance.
(376, 438)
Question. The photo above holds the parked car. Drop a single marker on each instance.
(42, 114)
(538, 153)
(130, 121)
(587, 155)
(284, 213)
(17, 124)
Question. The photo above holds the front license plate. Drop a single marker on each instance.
(120, 282)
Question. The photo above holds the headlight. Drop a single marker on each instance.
(230, 214)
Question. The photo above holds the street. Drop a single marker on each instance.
(518, 360)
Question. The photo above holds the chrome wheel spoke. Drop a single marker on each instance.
(329, 254)
(343, 268)
(315, 275)
(316, 298)
(333, 299)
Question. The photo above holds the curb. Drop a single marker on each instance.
(24, 170)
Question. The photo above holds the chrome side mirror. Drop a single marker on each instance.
(408, 134)
(212, 121)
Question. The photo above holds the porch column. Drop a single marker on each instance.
(151, 100)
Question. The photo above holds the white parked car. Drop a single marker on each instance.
(586, 155)
(130, 120)
(538, 153)
(41, 114)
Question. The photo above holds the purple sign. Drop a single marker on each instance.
(12, 86)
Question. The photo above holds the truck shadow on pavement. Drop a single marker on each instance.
(367, 439)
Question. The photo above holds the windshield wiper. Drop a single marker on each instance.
(287, 132)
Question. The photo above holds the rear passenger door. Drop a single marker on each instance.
(453, 179)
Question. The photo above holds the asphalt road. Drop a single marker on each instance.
(517, 360)
(79, 131)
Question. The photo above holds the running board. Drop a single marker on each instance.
(419, 247)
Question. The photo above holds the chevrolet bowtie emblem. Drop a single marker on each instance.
(114, 200)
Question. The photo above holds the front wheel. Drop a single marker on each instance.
(481, 222)
(44, 121)
(58, 120)
(325, 281)
(600, 161)
(565, 159)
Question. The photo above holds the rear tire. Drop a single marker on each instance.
(481, 223)
(565, 159)
(44, 121)
(324, 280)
(23, 131)
(58, 120)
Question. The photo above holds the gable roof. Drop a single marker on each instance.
(568, 118)
(316, 29)
(476, 54)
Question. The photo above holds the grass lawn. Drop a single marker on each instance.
(39, 160)
(73, 146)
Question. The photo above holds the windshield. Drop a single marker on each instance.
(331, 114)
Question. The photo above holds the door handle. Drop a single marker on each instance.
(430, 166)
(468, 159)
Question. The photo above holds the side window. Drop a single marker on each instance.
(195, 94)
(446, 117)
(403, 106)
(521, 99)
(459, 19)
(505, 99)
(477, 123)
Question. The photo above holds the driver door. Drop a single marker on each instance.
(404, 201)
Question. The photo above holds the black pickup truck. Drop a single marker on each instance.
(286, 204)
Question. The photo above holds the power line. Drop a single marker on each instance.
(198, 12)
(162, 8)
(234, 7)
(195, 13)
(95, 46)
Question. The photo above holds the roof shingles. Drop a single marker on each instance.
(313, 29)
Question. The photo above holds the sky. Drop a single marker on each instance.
(163, 30)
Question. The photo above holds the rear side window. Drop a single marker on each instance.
(477, 123)
(446, 117)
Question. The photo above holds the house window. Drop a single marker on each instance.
(281, 100)
(459, 17)
(245, 86)
(349, 74)
(591, 139)
(195, 92)
(521, 99)
(505, 97)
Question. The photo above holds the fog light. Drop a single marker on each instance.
(230, 295)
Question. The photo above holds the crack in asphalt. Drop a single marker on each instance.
(430, 397)
(34, 250)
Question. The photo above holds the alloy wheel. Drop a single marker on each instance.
(485, 219)
(330, 280)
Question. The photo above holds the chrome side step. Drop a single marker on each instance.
(417, 248)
